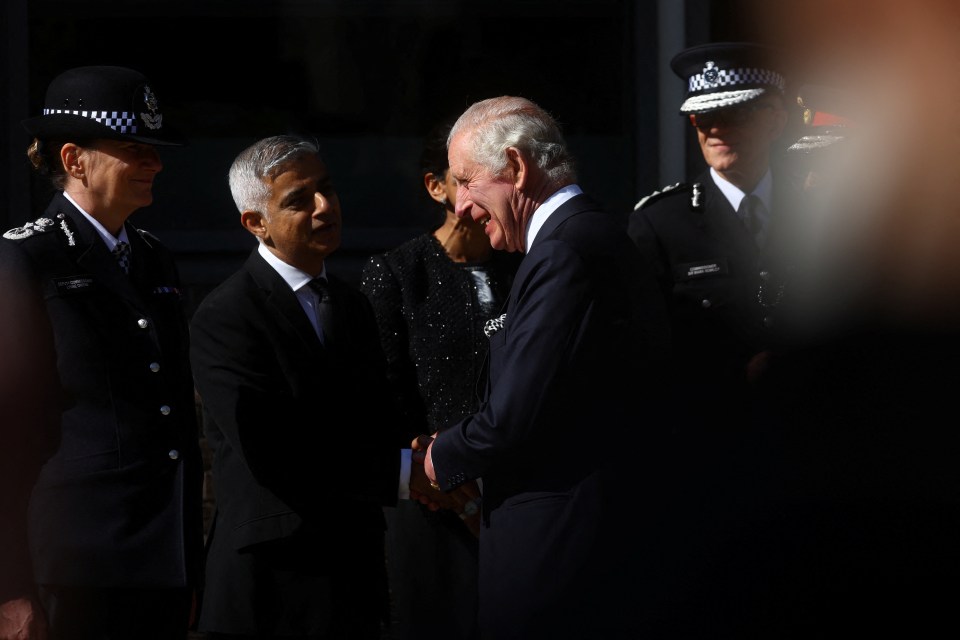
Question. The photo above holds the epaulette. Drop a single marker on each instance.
(696, 191)
(42, 225)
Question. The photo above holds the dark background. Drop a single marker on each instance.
(368, 79)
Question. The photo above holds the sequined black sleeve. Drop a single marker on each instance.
(381, 286)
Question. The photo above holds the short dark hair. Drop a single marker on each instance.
(433, 157)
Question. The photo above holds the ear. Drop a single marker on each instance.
(517, 164)
(434, 186)
(70, 158)
(252, 221)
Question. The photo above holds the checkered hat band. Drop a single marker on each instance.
(734, 77)
(119, 121)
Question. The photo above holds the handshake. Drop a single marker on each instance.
(465, 500)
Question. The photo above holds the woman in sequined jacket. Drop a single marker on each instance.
(432, 296)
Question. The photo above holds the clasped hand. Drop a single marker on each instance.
(463, 500)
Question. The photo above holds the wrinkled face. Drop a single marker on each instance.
(302, 225)
(738, 138)
(118, 175)
(487, 199)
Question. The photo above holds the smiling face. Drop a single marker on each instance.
(111, 179)
(302, 221)
(487, 199)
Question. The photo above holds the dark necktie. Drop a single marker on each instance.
(749, 214)
(324, 309)
(122, 253)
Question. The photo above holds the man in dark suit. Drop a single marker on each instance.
(568, 358)
(288, 363)
(714, 245)
(115, 522)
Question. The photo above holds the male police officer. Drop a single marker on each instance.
(708, 240)
(706, 236)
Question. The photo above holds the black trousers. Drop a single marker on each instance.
(93, 613)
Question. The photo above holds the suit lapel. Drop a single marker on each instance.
(283, 302)
(573, 206)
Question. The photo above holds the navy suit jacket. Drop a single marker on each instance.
(584, 330)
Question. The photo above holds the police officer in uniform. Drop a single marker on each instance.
(115, 525)
(707, 236)
(709, 240)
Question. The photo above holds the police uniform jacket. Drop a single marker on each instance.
(721, 289)
(719, 284)
(118, 504)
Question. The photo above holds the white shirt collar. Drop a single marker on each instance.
(108, 237)
(733, 194)
(545, 210)
(290, 274)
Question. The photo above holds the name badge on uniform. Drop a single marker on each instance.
(703, 269)
(73, 284)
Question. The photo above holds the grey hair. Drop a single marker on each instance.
(261, 161)
(510, 121)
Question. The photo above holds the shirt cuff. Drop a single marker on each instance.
(403, 491)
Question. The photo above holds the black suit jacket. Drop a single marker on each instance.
(558, 429)
(118, 505)
(278, 409)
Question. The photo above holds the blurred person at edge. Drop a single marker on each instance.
(853, 398)
(30, 406)
(432, 296)
(115, 523)
(579, 341)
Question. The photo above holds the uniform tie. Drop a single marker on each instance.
(324, 310)
(122, 253)
(750, 214)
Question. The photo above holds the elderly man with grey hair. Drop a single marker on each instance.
(571, 359)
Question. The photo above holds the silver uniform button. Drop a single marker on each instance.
(154, 366)
(142, 323)
(174, 454)
(165, 410)
(705, 303)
